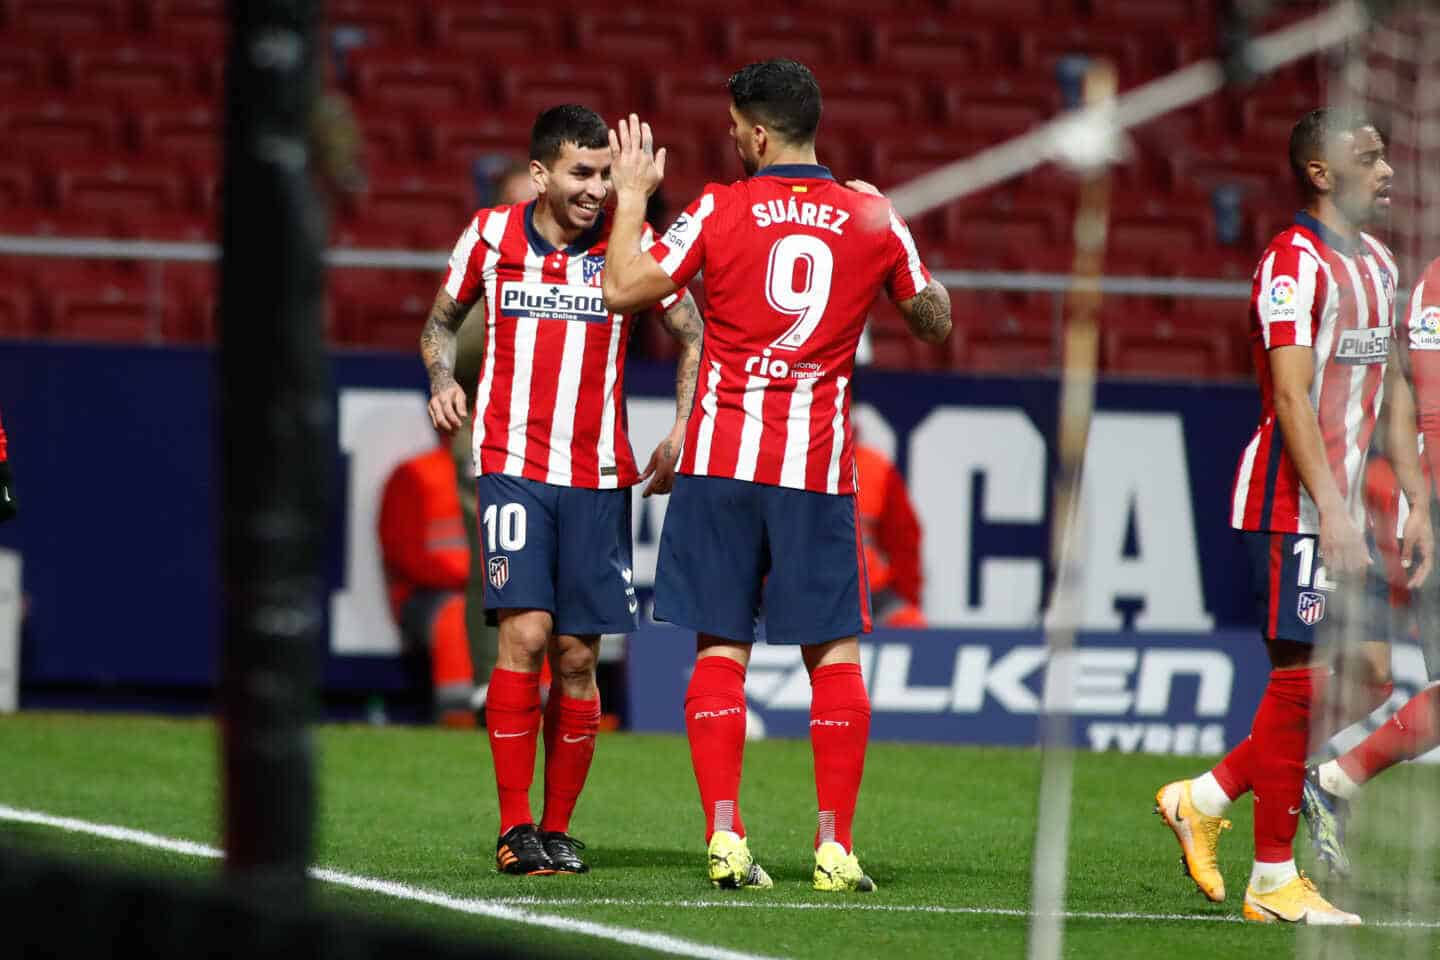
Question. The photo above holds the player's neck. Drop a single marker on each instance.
(548, 227)
(1334, 221)
(805, 154)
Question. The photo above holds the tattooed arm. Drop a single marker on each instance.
(437, 349)
(684, 323)
(928, 313)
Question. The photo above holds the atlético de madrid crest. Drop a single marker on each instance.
(590, 268)
(1311, 608)
(499, 571)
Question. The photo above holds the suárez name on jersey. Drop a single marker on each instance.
(1369, 345)
(820, 215)
(553, 301)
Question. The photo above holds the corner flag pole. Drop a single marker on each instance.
(276, 427)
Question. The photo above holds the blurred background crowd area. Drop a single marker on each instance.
(111, 116)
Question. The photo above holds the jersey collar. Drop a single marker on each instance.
(1327, 236)
(544, 247)
(797, 171)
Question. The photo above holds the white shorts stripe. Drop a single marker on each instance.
(837, 443)
(708, 408)
(751, 430)
(797, 435)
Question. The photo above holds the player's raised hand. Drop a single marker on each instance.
(1417, 547)
(635, 164)
(447, 406)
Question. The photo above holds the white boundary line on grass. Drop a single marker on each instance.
(510, 908)
(663, 943)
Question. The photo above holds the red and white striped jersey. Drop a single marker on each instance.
(1313, 289)
(550, 406)
(1422, 340)
(792, 261)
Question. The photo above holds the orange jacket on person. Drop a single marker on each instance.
(891, 534)
(422, 533)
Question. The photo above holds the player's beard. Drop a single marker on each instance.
(1360, 205)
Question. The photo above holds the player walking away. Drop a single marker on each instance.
(1415, 727)
(1321, 314)
(763, 515)
(554, 465)
(9, 506)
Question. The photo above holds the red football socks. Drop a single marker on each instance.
(1281, 737)
(839, 731)
(512, 716)
(1413, 730)
(715, 725)
(570, 729)
(1233, 771)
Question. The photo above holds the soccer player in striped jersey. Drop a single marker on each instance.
(554, 465)
(1415, 728)
(8, 505)
(763, 516)
(1321, 314)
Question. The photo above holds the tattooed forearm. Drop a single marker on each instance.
(928, 313)
(684, 323)
(437, 339)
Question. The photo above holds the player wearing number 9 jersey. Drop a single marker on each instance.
(763, 516)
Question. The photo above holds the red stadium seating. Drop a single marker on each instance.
(494, 30)
(18, 315)
(623, 36)
(189, 21)
(46, 222)
(811, 40)
(417, 80)
(62, 127)
(17, 184)
(50, 17)
(922, 45)
(406, 197)
(180, 227)
(179, 128)
(456, 137)
(691, 95)
(115, 311)
(999, 107)
(119, 185)
(380, 308)
(383, 22)
(856, 99)
(117, 65)
(535, 86)
(23, 67)
(389, 137)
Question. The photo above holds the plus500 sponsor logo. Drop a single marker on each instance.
(1122, 698)
(553, 301)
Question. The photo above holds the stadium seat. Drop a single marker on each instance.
(119, 185)
(384, 309)
(1006, 221)
(856, 99)
(121, 66)
(629, 34)
(382, 23)
(538, 85)
(18, 315)
(997, 107)
(1043, 45)
(494, 30)
(179, 227)
(192, 21)
(389, 137)
(48, 222)
(457, 137)
(23, 67)
(921, 45)
(18, 187)
(1160, 13)
(379, 235)
(406, 196)
(1005, 333)
(181, 128)
(116, 311)
(417, 80)
(57, 17)
(691, 95)
(58, 126)
(811, 40)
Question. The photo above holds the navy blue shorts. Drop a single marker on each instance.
(729, 544)
(561, 549)
(1295, 600)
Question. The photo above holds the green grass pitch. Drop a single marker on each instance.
(938, 827)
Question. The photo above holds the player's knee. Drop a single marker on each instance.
(575, 662)
(525, 637)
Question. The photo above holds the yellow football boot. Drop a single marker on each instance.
(731, 864)
(839, 872)
(1198, 834)
(1296, 902)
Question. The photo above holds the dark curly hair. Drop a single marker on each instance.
(782, 95)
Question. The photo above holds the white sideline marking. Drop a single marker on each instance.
(663, 943)
(851, 905)
(508, 908)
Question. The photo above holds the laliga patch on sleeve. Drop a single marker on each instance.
(1425, 330)
(1283, 298)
